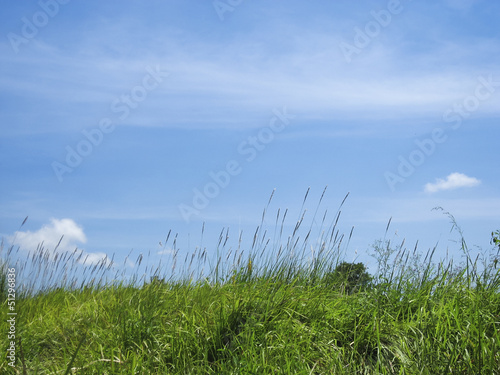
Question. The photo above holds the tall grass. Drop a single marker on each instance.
(269, 308)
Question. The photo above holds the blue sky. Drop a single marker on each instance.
(123, 120)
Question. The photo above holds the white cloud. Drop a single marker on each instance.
(453, 181)
(61, 235)
(129, 263)
(50, 235)
(166, 252)
(88, 259)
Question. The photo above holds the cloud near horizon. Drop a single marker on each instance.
(452, 181)
(88, 259)
(61, 235)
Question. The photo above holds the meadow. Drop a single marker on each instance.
(283, 306)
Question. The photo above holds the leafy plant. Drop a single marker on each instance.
(495, 238)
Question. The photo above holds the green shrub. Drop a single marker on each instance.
(349, 277)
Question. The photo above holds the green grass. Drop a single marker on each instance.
(272, 314)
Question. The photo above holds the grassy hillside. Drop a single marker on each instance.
(282, 323)
(273, 315)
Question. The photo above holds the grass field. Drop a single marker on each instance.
(273, 314)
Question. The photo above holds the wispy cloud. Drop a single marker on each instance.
(453, 181)
(220, 83)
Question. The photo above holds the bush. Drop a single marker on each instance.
(349, 277)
